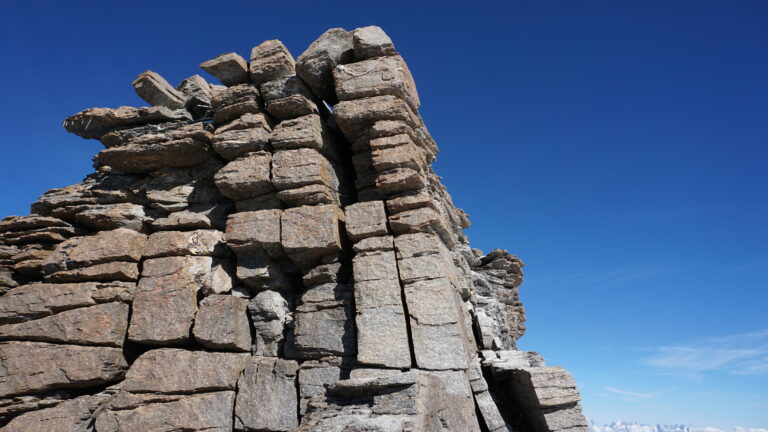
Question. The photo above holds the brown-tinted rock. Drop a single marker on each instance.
(301, 167)
(176, 243)
(266, 397)
(246, 177)
(165, 303)
(222, 323)
(376, 77)
(255, 231)
(73, 415)
(303, 132)
(103, 324)
(95, 122)
(121, 244)
(354, 117)
(170, 370)
(154, 89)
(140, 159)
(106, 272)
(33, 367)
(311, 232)
(24, 223)
(198, 216)
(270, 313)
(288, 97)
(104, 216)
(234, 143)
(400, 180)
(230, 69)
(38, 300)
(211, 412)
(366, 219)
(270, 60)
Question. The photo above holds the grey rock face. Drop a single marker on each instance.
(199, 412)
(246, 177)
(34, 367)
(266, 398)
(221, 323)
(288, 97)
(376, 77)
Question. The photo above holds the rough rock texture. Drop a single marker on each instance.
(274, 254)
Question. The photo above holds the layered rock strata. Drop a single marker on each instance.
(270, 254)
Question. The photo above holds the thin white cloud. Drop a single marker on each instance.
(743, 354)
(632, 394)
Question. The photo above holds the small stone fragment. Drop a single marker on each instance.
(175, 243)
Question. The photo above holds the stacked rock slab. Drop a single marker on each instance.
(270, 254)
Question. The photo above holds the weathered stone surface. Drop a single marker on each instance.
(121, 244)
(202, 216)
(73, 415)
(373, 244)
(266, 397)
(303, 132)
(270, 314)
(366, 219)
(174, 243)
(166, 298)
(204, 412)
(170, 370)
(302, 167)
(95, 122)
(424, 219)
(382, 335)
(315, 65)
(230, 69)
(106, 272)
(355, 117)
(154, 89)
(232, 144)
(154, 133)
(400, 180)
(288, 97)
(234, 102)
(175, 189)
(403, 153)
(313, 194)
(33, 367)
(313, 377)
(196, 86)
(438, 339)
(104, 216)
(323, 323)
(268, 201)
(311, 232)
(270, 60)
(376, 77)
(221, 323)
(102, 324)
(255, 231)
(38, 300)
(246, 177)
(140, 159)
(370, 42)
(24, 223)
(259, 271)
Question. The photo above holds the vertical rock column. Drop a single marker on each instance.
(392, 149)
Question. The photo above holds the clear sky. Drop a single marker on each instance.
(617, 146)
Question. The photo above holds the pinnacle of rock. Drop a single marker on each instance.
(271, 254)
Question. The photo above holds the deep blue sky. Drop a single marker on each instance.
(618, 147)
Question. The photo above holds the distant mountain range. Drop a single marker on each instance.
(620, 426)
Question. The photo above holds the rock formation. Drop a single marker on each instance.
(270, 254)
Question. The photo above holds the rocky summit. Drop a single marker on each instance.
(270, 254)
